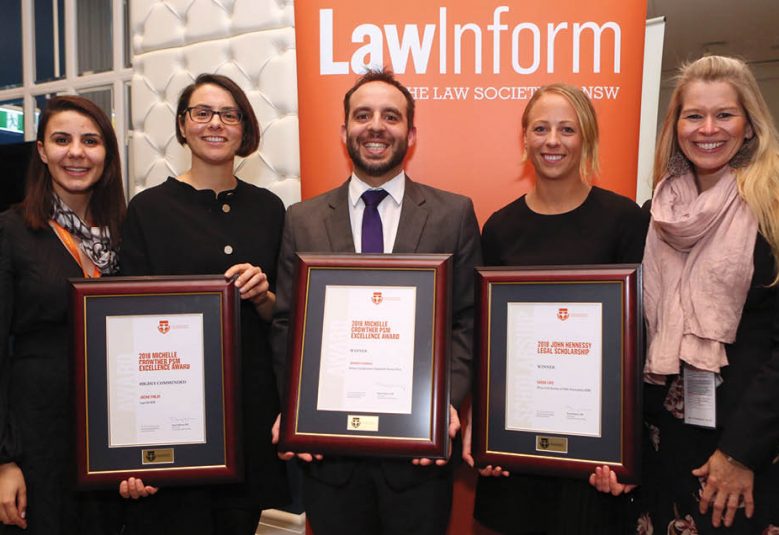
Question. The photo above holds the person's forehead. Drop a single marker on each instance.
(715, 92)
(212, 94)
(71, 120)
(552, 102)
(378, 95)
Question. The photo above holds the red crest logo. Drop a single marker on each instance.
(562, 314)
(377, 298)
(164, 326)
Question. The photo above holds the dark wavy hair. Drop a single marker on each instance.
(107, 204)
(250, 139)
(388, 77)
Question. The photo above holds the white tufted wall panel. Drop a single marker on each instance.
(252, 42)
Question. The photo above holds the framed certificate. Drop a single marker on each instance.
(558, 377)
(368, 347)
(156, 380)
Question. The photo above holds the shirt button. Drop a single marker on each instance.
(228, 249)
(226, 208)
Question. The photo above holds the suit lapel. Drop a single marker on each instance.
(337, 223)
(413, 216)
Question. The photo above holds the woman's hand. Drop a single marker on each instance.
(134, 488)
(728, 482)
(487, 471)
(493, 471)
(253, 286)
(605, 480)
(13, 496)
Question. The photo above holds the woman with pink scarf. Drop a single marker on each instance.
(712, 312)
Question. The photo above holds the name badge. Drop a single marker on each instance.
(700, 403)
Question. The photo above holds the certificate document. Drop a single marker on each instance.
(367, 357)
(553, 369)
(155, 379)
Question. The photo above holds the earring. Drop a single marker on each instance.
(678, 164)
(743, 157)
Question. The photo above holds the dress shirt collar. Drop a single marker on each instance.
(396, 186)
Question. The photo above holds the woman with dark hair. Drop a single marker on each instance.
(207, 221)
(67, 226)
(712, 312)
(563, 220)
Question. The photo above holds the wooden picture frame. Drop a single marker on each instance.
(558, 386)
(157, 389)
(369, 354)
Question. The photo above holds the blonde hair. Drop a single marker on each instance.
(758, 180)
(588, 122)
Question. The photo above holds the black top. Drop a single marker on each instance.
(747, 404)
(747, 407)
(36, 410)
(748, 398)
(174, 229)
(605, 229)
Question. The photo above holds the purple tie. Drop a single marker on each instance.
(372, 235)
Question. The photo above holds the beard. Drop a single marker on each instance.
(378, 168)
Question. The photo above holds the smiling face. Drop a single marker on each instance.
(376, 134)
(74, 151)
(712, 125)
(213, 142)
(553, 139)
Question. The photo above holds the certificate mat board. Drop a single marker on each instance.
(558, 376)
(369, 355)
(156, 363)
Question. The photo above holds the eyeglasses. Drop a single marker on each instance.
(201, 114)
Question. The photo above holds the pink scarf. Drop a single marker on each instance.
(697, 271)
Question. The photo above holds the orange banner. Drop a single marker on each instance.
(472, 66)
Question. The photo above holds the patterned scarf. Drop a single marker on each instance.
(95, 241)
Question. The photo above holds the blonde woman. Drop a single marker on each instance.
(563, 220)
(712, 312)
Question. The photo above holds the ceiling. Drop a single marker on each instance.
(748, 29)
(745, 28)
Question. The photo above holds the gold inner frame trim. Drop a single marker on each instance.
(85, 306)
(303, 350)
(490, 285)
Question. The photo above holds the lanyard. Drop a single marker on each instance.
(70, 244)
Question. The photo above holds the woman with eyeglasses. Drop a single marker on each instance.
(207, 221)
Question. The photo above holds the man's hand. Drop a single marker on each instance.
(454, 427)
(13, 496)
(605, 480)
(287, 455)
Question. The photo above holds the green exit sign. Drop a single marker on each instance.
(11, 120)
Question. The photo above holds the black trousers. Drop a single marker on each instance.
(366, 504)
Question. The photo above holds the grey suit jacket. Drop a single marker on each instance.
(431, 221)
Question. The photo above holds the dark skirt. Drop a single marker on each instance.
(525, 505)
(667, 501)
